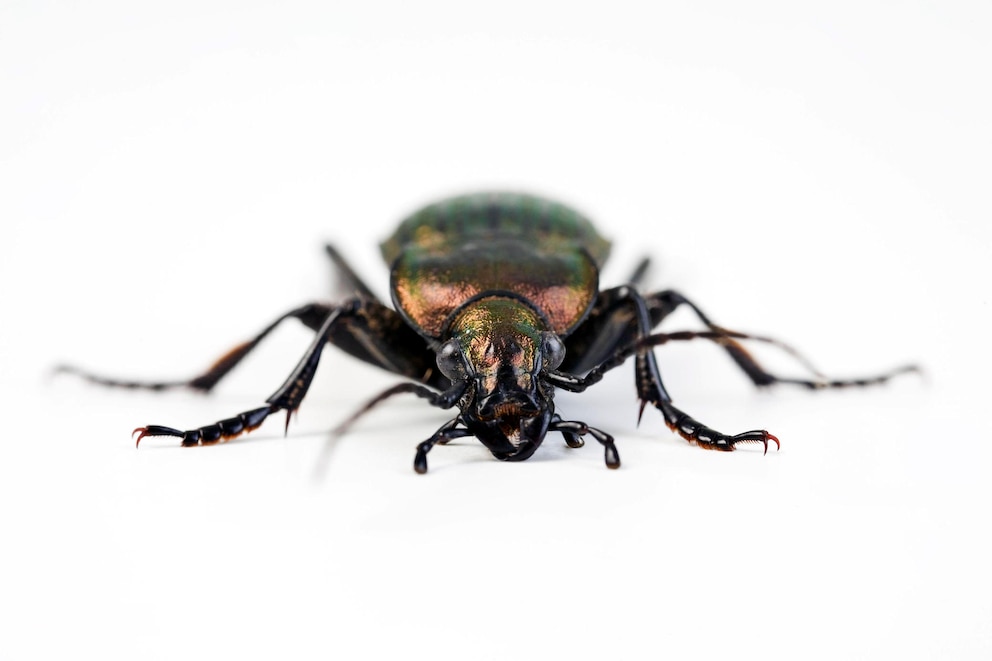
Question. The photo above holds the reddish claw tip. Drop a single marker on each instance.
(772, 437)
(144, 432)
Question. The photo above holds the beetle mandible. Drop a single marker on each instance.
(497, 304)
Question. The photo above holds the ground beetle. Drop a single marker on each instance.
(497, 303)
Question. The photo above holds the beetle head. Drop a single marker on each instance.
(500, 347)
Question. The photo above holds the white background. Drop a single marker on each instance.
(168, 176)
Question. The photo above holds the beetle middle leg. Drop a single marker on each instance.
(447, 432)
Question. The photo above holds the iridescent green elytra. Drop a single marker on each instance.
(452, 251)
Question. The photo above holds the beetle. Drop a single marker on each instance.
(496, 304)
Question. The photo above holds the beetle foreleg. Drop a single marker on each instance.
(572, 439)
(573, 431)
(447, 432)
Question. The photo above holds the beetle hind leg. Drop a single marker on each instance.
(311, 315)
(349, 279)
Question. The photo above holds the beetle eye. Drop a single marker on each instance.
(553, 351)
(450, 361)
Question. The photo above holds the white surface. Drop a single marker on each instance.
(168, 178)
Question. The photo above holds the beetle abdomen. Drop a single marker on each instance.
(464, 247)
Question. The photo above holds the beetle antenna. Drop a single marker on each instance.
(444, 400)
(722, 334)
(787, 348)
(719, 335)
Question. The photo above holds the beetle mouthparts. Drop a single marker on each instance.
(499, 406)
(515, 410)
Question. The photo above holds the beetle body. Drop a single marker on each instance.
(496, 280)
(496, 304)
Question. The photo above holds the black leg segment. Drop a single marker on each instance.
(358, 326)
(447, 432)
(573, 431)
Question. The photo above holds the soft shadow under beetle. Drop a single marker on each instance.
(497, 303)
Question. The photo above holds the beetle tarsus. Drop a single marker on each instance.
(420, 461)
(154, 430)
(612, 457)
(705, 437)
(573, 440)
(224, 430)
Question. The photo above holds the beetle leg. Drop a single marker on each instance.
(349, 278)
(354, 326)
(615, 322)
(723, 335)
(572, 439)
(663, 303)
(312, 315)
(705, 437)
(372, 333)
(573, 431)
(652, 391)
(287, 398)
(447, 432)
(679, 421)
